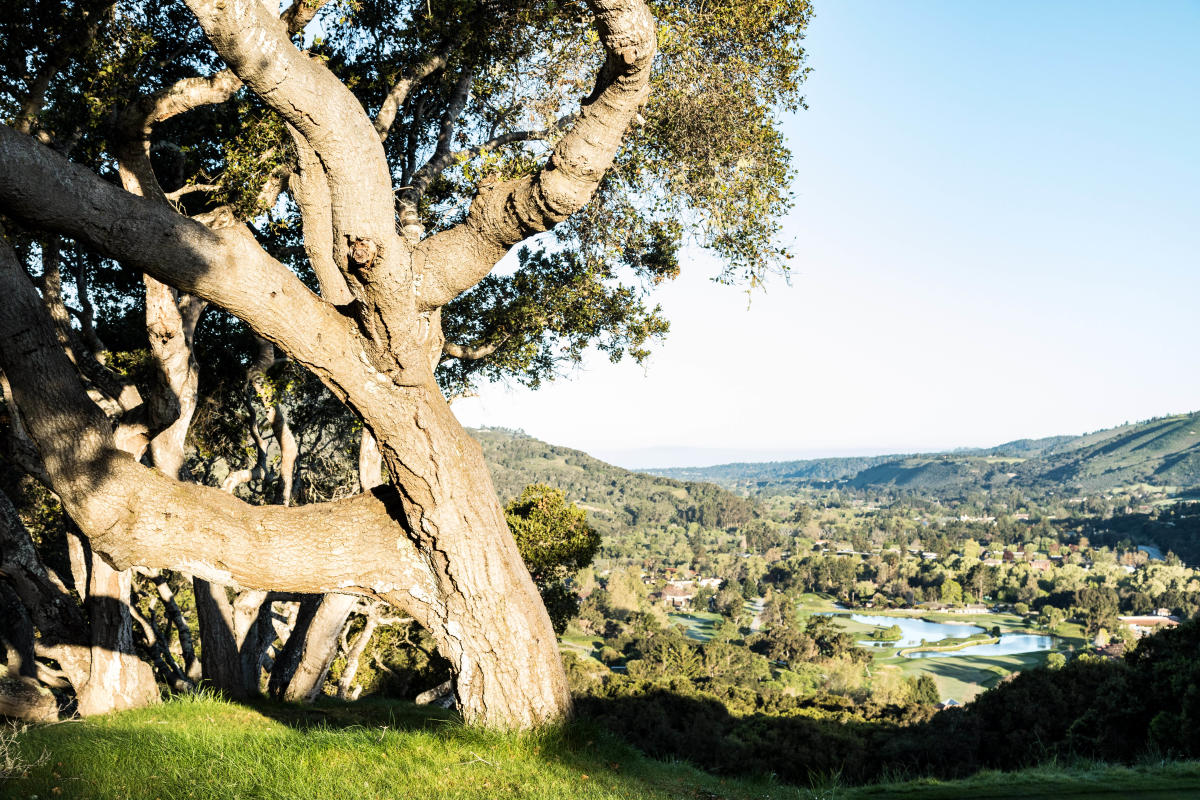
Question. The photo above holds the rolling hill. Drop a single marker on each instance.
(616, 499)
(1160, 452)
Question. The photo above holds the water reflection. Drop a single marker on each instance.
(914, 631)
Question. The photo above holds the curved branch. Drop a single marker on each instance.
(223, 265)
(134, 515)
(506, 213)
(137, 120)
(309, 187)
(308, 95)
(399, 93)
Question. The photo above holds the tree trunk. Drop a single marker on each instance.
(234, 638)
(487, 617)
(118, 678)
(300, 670)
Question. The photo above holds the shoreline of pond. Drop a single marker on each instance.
(920, 637)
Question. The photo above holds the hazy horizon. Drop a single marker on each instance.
(995, 238)
(698, 457)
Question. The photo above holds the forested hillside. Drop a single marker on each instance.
(1160, 452)
(617, 499)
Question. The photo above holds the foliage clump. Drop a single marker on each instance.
(556, 542)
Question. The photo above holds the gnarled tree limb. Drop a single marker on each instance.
(137, 516)
(506, 213)
(223, 265)
(304, 92)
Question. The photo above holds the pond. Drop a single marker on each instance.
(1010, 644)
(913, 631)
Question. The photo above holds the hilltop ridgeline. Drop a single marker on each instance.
(1159, 452)
(617, 500)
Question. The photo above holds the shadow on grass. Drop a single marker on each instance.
(368, 712)
(208, 748)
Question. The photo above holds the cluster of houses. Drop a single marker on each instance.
(681, 587)
(1146, 624)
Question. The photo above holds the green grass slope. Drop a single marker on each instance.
(212, 750)
(1164, 451)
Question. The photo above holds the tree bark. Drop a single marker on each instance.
(437, 546)
(118, 678)
(234, 638)
(311, 647)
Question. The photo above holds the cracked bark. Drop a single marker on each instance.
(437, 545)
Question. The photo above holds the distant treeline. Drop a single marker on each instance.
(1174, 529)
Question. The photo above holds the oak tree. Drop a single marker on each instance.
(343, 179)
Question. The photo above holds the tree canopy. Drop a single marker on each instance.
(319, 199)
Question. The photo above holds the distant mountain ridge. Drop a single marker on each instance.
(1164, 451)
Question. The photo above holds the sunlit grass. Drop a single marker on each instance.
(209, 749)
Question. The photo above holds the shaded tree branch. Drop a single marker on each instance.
(505, 213)
(399, 93)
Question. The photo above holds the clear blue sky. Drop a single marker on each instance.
(997, 235)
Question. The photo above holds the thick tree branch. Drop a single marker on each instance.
(506, 213)
(308, 95)
(137, 516)
(224, 265)
(136, 122)
(309, 186)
